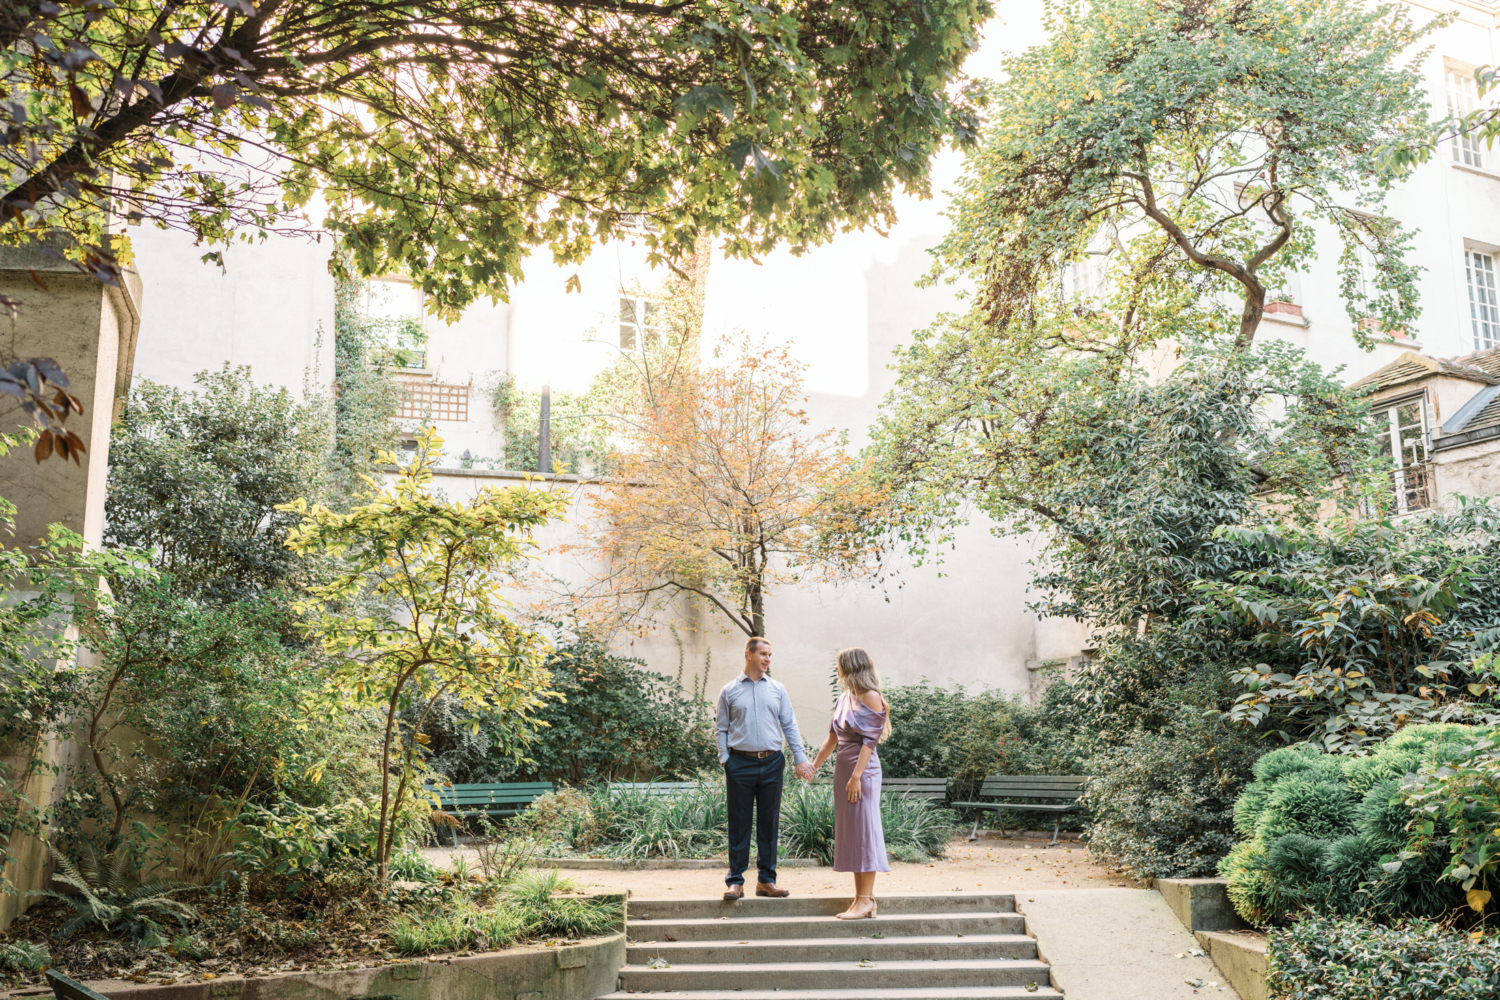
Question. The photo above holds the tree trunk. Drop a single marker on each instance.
(1255, 308)
(757, 595)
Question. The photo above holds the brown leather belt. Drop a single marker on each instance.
(754, 754)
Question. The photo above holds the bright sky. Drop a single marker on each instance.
(816, 302)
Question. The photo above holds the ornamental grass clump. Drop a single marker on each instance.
(914, 831)
(1330, 834)
(528, 906)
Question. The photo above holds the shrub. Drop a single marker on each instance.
(1457, 797)
(1250, 886)
(1161, 804)
(634, 824)
(1356, 959)
(616, 721)
(550, 817)
(954, 733)
(1307, 805)
(1328, 834)
(914, 831)
(200, 476)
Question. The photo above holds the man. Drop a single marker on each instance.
(755, 715)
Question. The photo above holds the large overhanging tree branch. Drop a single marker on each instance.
(451, 137)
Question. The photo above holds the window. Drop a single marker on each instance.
(1463, 98)
(641, 322)
(636, 223)
(1402, 439)
(1086, 278)
(434, 401)
(397, 315)
(1484, 307)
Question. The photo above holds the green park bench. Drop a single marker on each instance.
(494, 799)
(933, 790)
(1044, 793)
(654, 787)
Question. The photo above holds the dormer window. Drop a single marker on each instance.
(1401, 434)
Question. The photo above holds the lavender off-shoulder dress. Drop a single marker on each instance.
(858, 839)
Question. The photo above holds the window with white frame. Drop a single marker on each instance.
(397, 315)
(1463, 99)
(1401, 435)
(642, 321)
(1484, 306)
(1087, 278)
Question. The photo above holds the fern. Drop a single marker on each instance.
(114, 900)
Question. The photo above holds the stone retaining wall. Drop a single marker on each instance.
(579, 970)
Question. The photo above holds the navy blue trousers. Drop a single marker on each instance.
(753, 785)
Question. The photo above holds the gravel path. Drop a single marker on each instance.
(984, 866)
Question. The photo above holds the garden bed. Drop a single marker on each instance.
(322, 928)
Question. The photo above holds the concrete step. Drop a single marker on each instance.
(920, 993)
(774, 927)
(817, 906)
(784, 976)
(887, 949)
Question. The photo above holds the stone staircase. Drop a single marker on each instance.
(958, 947)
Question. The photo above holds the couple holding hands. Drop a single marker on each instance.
(754, 718)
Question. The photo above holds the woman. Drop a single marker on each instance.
(861, 719)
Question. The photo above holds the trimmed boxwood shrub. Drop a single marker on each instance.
(1351, 958)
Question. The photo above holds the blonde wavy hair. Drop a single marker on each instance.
(857, 675)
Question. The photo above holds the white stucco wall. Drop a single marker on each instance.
(271, 307)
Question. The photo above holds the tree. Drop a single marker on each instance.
(449, 137)
(416, 611)
(1193, 145)
(199, 477)
(721, 492)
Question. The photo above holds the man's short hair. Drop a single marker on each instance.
(754, 643)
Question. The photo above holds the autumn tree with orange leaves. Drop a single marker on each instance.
(721, 492)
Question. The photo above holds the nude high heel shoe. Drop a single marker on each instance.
(855, 913)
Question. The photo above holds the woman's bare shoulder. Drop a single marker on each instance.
(872, 700)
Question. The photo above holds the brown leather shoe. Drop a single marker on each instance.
(733, 892)
(769, 889)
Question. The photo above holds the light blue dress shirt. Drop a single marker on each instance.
(756, 715)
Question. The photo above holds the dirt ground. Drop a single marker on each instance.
(984, 866)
